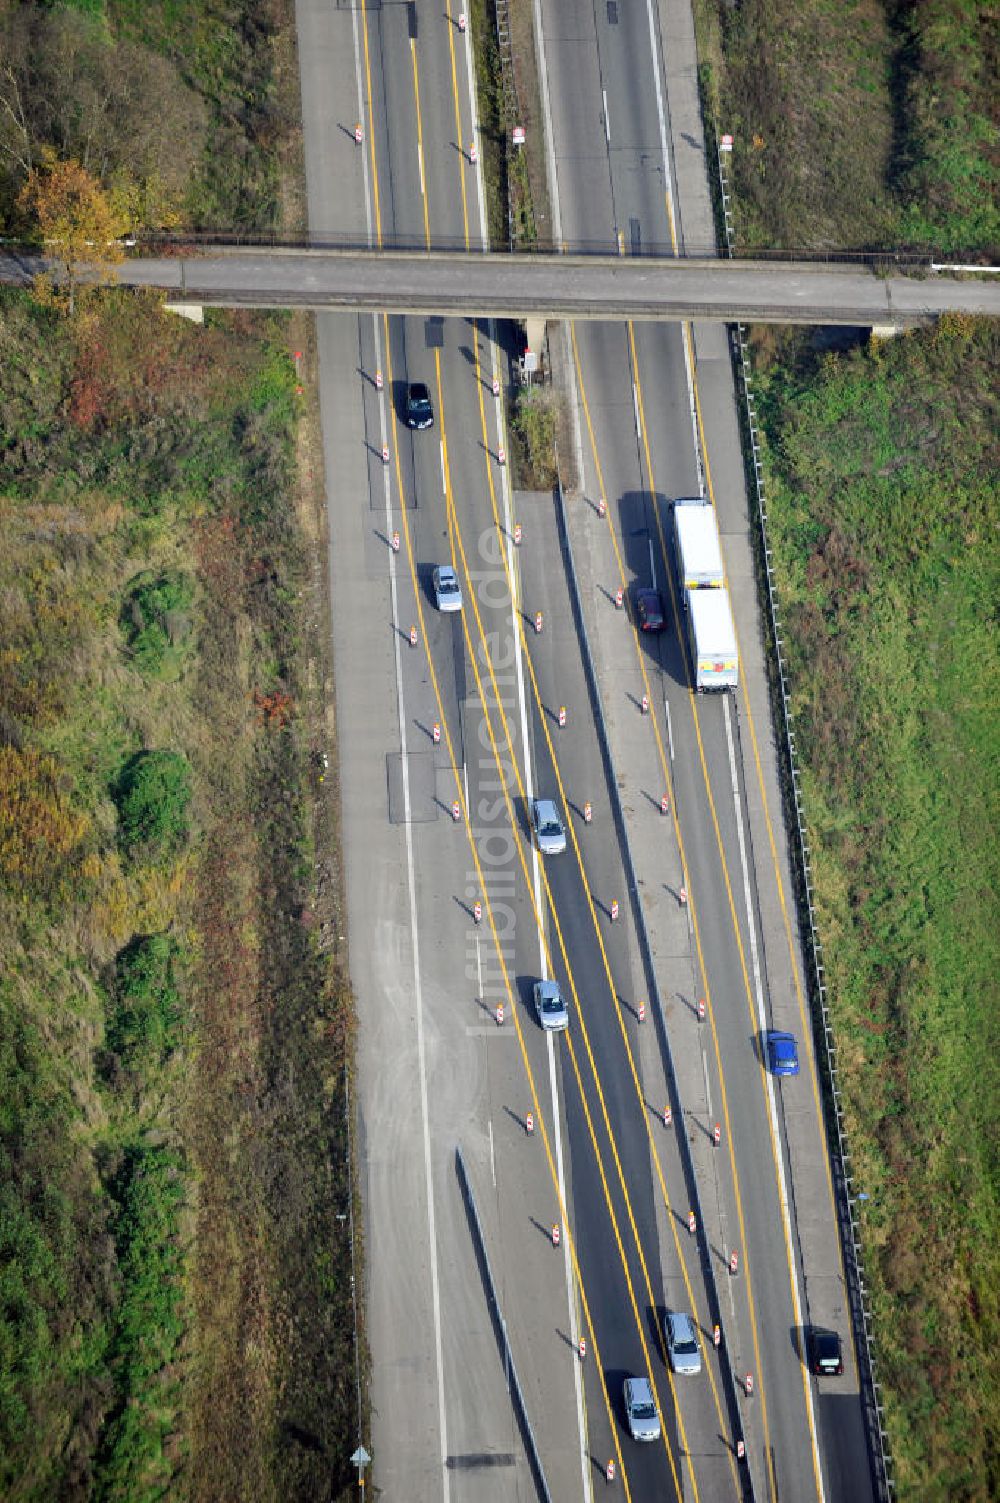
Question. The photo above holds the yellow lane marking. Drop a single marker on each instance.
(488, 911)
(543, 720)
(803, 1019)
(696, 929)
(775, 1149)
(371, 124)
(455, 534)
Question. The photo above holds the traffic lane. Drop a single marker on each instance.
(638, 173)
(429, 148)
(579, 139)
(555, 654)
(765, 1254)
(627, 1110)
(327, 81)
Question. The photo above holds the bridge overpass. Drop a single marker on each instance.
(605, 287)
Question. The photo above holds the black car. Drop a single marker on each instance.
(649, 610)
(419, 412)
(826, 1359)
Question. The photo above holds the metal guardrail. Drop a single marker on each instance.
(899, 258)
(500, 1326)
(848, 1226)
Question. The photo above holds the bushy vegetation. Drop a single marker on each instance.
(181, 110)
(883, 516)
(173, 1033)
(152, 796)
(858, 123)
(156, 622)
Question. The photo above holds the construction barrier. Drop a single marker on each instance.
(645, 704)
(619, 600)
(588, 813)
(734, 1263)
(701, 1009)
(358, 135)
(496, 386)
(682, 897)
(602, 507)
(378, 381)
(461, 21)
(517, 532)
(477, 913)
(664, 805)
(741, 1450)
(473, 153)
(456, 812)
(499, 1014)
(538, 623)
(610, 1473)
(556, 1234)
(582, 1347)
(668, 1116)
(529, 1124)
(413, 636)
(395, 542)
(748, 1385)
(385, 453)
(501, 455)
(562, 716)
(692, 1222)
(642, 1012)
(717, 1134)
(716, 1337)
(436, 733)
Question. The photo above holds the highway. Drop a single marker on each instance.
(595, 287)
(438, 715)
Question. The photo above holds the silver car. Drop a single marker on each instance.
(548, 827)
(640, 1410)
(553, 1014)
(447, 593)
(682, 1342)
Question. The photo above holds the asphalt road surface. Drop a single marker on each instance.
(437, 1068)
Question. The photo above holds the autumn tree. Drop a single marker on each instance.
(75, 219)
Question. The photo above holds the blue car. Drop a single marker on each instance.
(782, 1054)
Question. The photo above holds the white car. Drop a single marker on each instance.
(550, 1005)
(548, 827)
(447, 593)
(640, 1409)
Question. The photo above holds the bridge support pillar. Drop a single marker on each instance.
(535, 331)
(194, 311)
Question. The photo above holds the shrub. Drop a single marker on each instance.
(152, 796)
(534, 424)
(156, 623)
(143, 1026)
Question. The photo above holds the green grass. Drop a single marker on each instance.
(883, 515)
(173, 1035)
(857, 123)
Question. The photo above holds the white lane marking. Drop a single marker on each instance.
(536, 884)
(652, 562)
(607, 118)
(479, 967)
(444, 478)
(359, 74)
(420, 167)
(417, 990)
(670, 729)
(768, 1077)
(493, 1162)
(708, 1088)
